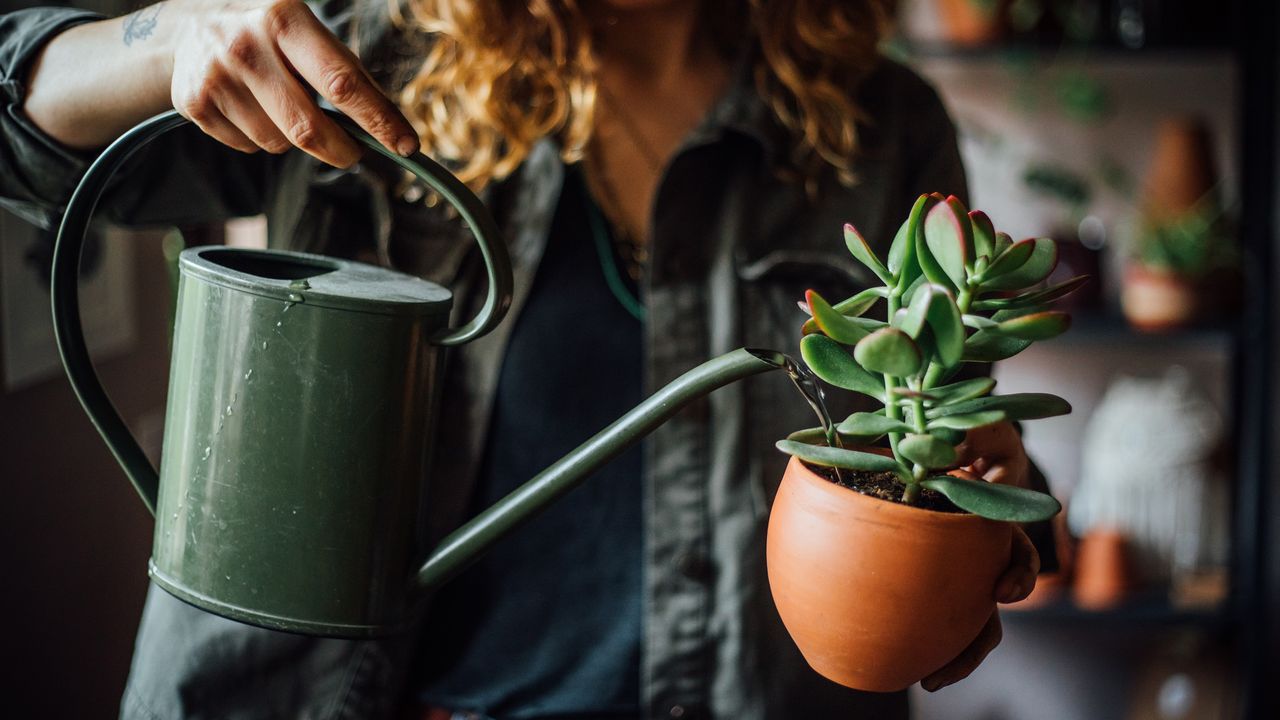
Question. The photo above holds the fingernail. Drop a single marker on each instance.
(407, 146)
(930, 685)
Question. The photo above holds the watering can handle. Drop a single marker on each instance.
(65, 293)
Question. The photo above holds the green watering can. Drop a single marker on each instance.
(302, 395)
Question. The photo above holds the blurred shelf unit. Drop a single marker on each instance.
(1145, 609)
(1024, 52)
(1100, 328)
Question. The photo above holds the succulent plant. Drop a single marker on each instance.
(956, 292)
(1192, 244)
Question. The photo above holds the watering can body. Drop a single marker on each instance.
(300, 413)
(296, 438)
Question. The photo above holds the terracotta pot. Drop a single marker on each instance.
(1157, 300)
(877, 595)
(1181, 171)
(1104, 575)
(970, 22)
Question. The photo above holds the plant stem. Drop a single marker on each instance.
(911, 495)
(891, 409)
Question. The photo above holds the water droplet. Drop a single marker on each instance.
(207, 450)
(227, 577)
(295, 297)
(279, 323)
(300, 284)
(228, 409)
(295, 512)
(264, 344)
(248, 374)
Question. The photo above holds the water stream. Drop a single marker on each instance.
(807, 383)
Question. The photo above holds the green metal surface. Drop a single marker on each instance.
(294, 448)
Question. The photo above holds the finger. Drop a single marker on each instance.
(1019, 579)
(334, 71)
(291, 108)
(969, 660)
(242, 110)
(206, 116)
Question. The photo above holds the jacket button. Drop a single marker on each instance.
(677, 711)
(693, 565)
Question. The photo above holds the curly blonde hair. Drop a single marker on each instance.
(501, 74)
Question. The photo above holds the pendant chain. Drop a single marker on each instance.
(634, 250)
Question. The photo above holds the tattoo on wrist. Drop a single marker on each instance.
(141, 24)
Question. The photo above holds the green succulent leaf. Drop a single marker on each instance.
(1043, 259)
(903, 260)
(963, 390)
(947, 327)
(935, 306)
(949, 237)
(984, 234)
(809, 436)
(1014, 257)
(912, 318)
(1035, 326)
(927, 451)
(832, 323)
(1033, 298)
(862, 251)
(910, 394)
(985, 346)
(888, 351)
(995, 502)
(1003, 241)
(864, 423)
(947, 435)
(978, 322)
(842, 458)
(1016, 406)
(967, 421)
(831, 362)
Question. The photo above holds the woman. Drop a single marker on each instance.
(670, 175)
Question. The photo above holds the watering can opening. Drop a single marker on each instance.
(271, 266)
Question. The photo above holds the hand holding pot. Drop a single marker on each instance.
(994, 453)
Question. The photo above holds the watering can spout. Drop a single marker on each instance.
(469, 542)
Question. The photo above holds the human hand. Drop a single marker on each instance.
(995, 454)
(243, 70)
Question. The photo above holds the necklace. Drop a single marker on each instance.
(633, 250)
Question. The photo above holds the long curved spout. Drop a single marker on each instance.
(467, 543)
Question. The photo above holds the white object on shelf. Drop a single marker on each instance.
(1146, 470)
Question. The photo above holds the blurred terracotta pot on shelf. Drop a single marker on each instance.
(971, 22)
(1104, 575)
(1158, 300)
(877, 595)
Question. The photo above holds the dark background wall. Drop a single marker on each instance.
(75, 537)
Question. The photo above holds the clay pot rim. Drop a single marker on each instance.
(844, 494)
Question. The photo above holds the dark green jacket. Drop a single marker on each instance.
(733, 249)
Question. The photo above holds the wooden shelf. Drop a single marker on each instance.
(1142, 609)
(903, 49)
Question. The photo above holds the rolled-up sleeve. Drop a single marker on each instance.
(183, 177)
(36, 173)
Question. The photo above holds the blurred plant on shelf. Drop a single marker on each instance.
(1184, 253)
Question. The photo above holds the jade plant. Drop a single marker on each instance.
(956, 292)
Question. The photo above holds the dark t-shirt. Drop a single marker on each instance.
(548, 623)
